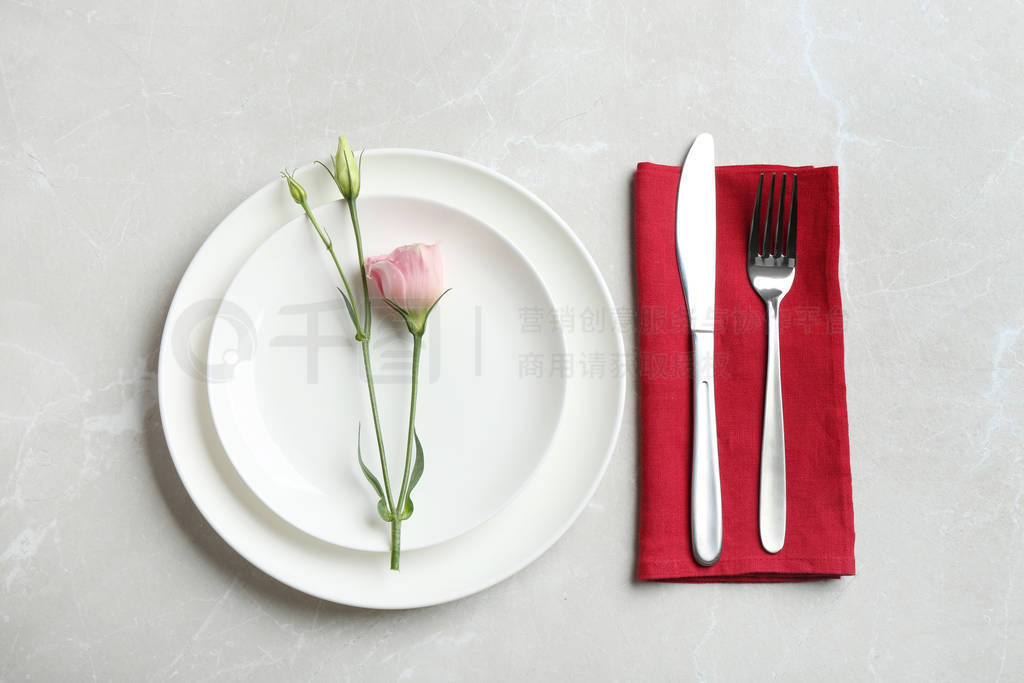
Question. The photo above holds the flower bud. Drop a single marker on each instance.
(410, 277)
(298, 192)
(346, 170)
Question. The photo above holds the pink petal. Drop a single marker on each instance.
(411, 275)
(389, 279)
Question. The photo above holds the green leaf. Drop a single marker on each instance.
(329, 171)
(417, 472)
(348, 305)
(436, 302)
(401, 311)
(382, 507)
(407, 513)
(417, 466)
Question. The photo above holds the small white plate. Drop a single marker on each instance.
(291, 390)
(523, 529)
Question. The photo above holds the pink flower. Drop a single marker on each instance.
(411, 278)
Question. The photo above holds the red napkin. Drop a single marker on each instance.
(819, 528)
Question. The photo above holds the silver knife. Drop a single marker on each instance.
(695, 251)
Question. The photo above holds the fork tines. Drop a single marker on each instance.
(768, 250)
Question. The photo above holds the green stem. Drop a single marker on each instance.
(366, 352)
(329, 243)
(396, 543)
(376, 422)
(362, 263)
(417, 343)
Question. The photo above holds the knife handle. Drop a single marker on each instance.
(705, 486)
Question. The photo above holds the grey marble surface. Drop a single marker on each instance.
(128, 130)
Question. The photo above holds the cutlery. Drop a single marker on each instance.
(695, 252)
(771, 265)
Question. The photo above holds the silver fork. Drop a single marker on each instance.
(770, 267)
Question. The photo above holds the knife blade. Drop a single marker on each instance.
(695, 253)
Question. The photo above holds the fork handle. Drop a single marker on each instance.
(705, 487)
(772, 513)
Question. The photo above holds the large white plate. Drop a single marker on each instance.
(520, 532)
(288, 410)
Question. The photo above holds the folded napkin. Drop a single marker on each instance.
(819, 528)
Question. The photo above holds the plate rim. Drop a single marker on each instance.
(164, 360)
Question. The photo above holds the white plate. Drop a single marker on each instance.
(521, 531)
(288, 410)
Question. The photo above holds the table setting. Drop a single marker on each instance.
(576, 341)
(273, 437)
